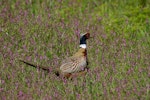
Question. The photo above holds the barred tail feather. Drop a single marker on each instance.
(56, 72)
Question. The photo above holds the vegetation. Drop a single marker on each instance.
(45, 32)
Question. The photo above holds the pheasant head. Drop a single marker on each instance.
(83, 39)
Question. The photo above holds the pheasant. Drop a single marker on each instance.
(77, 64)
(73, 66)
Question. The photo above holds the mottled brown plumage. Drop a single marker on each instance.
(75, 64)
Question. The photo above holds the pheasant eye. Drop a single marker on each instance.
(87, 35)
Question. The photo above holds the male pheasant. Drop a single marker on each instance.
(77, 64)
(73, 66)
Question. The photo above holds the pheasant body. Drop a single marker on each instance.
(76, 63)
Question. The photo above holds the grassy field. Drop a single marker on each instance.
(45, 32)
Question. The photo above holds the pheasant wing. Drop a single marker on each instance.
(73, 64)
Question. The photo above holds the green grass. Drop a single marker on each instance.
(46, 32)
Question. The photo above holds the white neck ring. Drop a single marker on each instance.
(83, 46)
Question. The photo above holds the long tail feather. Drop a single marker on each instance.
(36, 66)
(41, 67)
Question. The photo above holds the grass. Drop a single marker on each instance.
(46, 32)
